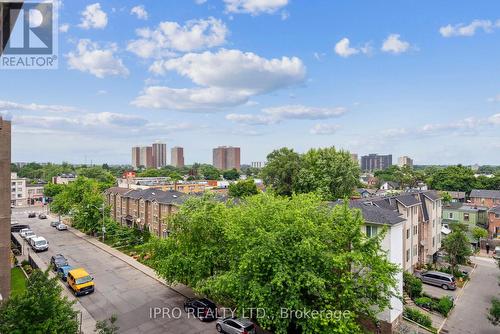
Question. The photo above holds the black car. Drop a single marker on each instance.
(204, 309)
(42, 216)
(55, 223)
(32, 215)
(57, 261)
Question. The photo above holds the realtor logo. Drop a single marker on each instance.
(28, 38)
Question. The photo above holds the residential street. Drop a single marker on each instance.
(120, 288)
(470, 313)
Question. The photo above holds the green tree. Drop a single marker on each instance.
(52, 189)
(105, 178)
(231, 174)
(209, 172)
(457, 247)
(40, 309)
(478, 233)
(494, 312)
(281, 171)
(331, 173)
(277, 252)
(446, 197)
(107, 326)
(243, 188)
(453, 178)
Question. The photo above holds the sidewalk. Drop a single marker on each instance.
(179, 288)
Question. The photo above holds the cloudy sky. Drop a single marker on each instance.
(417, 78)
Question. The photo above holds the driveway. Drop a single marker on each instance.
(470, 313)
(120, 288)
(438, 292)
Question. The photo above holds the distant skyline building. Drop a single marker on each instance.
(405, 161)
(355, 158)
(258, 164)
(227, 157)
(374, 162)
(136, 157)
(5, 193)
(177, 157)
(146, 157)
(159, 155)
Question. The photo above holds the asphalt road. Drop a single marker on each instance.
(471, 311)
(120, 288)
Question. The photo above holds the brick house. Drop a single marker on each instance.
(494, 221)
(488, 198)
(144, 209)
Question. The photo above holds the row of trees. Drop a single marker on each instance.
(330, 173)
(275, 252)
(451, 178)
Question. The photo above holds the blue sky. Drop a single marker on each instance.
(417, 78)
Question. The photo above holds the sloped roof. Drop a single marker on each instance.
(425, 212)
(495, 209)
(432, 195)
(117, 190)
(485, 193)
(374, 214)
(407, 200)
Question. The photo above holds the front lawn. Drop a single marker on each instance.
(17, 282)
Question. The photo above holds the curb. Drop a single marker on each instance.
(130, 262)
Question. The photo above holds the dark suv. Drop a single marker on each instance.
(57, 261)
(204, 309)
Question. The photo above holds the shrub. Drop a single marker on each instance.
(412, 285)
(25, 263)
(444, 305)
(424, 302)
(418, 317)
(494, 312)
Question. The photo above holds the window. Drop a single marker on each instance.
(466, 216)
(415, 250)
(433, 222)
(408, 233)
(433, 241)
(450, 215)
(371, 231)
(497, 215)
(407, 255)
(415, 230)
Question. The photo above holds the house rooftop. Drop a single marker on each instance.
(485, 193)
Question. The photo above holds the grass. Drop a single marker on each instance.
(17, 282)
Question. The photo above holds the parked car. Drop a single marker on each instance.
(63, 272)
(39, 244)
(23, 231)
(62, 227)
(32, 215)
(234, 325)
(28, 234)
(80, 282)
(204, 309)
(496, 253)
(19, 227)
(55, 223)
(42, 216)
(57, 261)
(444, 280)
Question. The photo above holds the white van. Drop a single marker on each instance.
(39, 244)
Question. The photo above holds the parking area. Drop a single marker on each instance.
(438, 292)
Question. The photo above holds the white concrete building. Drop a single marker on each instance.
(18, 192)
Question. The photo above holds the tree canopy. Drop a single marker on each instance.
(243, 188)
(231, 174)
(303, 255)
(40, 309)
(457, 247)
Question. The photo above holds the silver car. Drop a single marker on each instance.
(444, 280)
(233, 325)
(62, 227)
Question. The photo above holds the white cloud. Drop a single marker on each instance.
(285, 15)
(393, 44)
(343, 49)
(236, 70)
(93, 17)
(9, 106)
(395, 132)
(89, 57)
(495, 119)
(324, 129)
(469, 29)
(171, 37)
(64, 28)
(200, 2)
(254, 7)
(140, 12)
(303, 112)
(197, 99)
(495, 98)
(469, 123)
(225, 78)
(278, 114)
